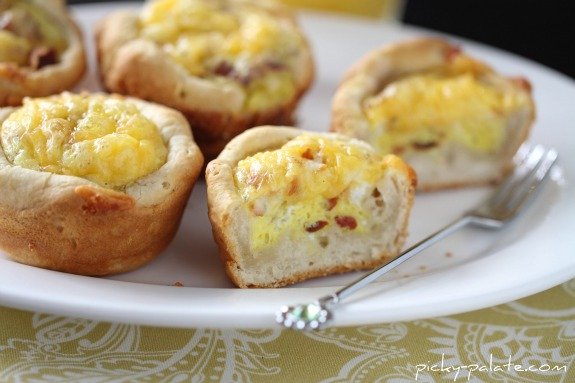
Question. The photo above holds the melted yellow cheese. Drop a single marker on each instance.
(446, 104)
(30, 28)
(309, 184)
(104, 139)
(205, 36)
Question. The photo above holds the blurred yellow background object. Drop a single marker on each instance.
(384, 9)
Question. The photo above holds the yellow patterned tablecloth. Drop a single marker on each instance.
(530, 340)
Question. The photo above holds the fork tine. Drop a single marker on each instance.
(535, 172)
(527, 159)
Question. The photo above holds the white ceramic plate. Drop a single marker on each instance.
(471, 270)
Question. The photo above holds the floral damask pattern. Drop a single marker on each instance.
(498, 344)
(78, 350)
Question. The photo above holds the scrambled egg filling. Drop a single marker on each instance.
(450, 103)
(27, 34)
(310, 184)
(104, 139)
(237, 44)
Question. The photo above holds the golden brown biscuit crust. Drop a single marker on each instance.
(70, 224)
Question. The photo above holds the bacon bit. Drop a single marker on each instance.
(308, 155)
(293, 187)
(41, 57)
(274, 65)
(424, 145)
(259, 71)
(223, 68)
(522, 82)
(397, 150)
(346, 221)
(247, 76)
(452, 53)
(331, 202)
(318, 225)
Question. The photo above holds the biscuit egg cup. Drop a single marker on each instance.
(444, 153)
(46, 70)
(215, 102)
(309, 232)
(68, 223)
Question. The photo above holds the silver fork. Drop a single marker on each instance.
(504, 204)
